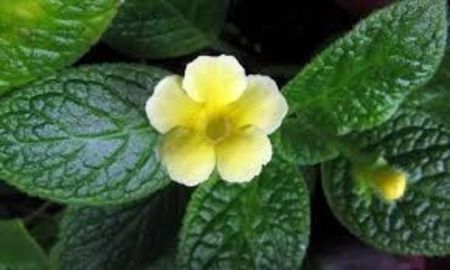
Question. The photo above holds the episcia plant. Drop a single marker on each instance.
(206, 169)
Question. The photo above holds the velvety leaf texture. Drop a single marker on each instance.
(418, 223)
(40, 36)
(301, 143)
(166, 28)
(263, 224)
(434, 97)
(360, 80)
(18, 250)
(120, 237)
(82, 136)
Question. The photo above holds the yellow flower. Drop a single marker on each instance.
(215, 116)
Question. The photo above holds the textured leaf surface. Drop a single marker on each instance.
(120, 237)
(18, 250)
(361, 79)
(38, 37)
(434, 97)
(260, 225)
(419, 223)
(166, 28)
(82, 136)
(301, 143)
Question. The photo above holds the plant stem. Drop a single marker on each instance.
(28, 219)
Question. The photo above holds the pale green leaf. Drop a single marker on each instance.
(18, 250)
(38, 37)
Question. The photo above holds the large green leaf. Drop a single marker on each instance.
(82, 136)
(166, 28)
(18, 250)
(263, 224)
(361, 79)
(120, 237)
(38, 37)
(418, 223)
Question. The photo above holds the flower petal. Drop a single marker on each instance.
(188, 157)
(241, 156)
(260, 105)
(215, 80)
(169, 106)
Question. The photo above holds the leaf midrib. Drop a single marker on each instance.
(106, 136)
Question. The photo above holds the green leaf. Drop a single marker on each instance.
(18, 250)
(38, 37)
(263, 224)
(434, 97)
(82, 136)
(361, 79)
(120, 237)
(166, 28)
(418, 223)
(301, 143)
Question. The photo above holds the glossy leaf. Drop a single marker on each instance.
(360, 80)
(82, 136)
(38, 37)
(18, 250)
(263, 224)
(418, 223)
(166, 28)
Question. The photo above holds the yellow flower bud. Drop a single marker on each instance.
(387, 181)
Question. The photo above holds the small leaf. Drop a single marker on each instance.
(263, 224)
(82, 136)
(166, 28)
(39, 37)
(361, 79)
(119, 237)
(303, 144)
(18, 250)
(418, 223)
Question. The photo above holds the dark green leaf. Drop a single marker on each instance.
(263, 224)
(301, 143)
(40, 36)
(361, 79)
(434, 97)
(166, 28)
(418, 223)
(121, 237)
(18, 250)
(82, 136)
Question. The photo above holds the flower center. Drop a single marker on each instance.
(217, 129)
